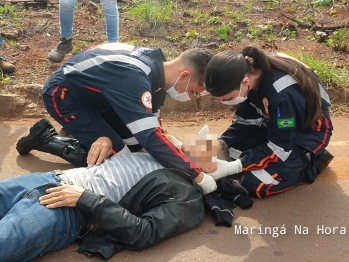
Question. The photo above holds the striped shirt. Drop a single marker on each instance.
(116, 176)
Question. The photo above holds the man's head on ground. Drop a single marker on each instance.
(184, 75)
(202, 151)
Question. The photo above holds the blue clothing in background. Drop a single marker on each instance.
(110, 11)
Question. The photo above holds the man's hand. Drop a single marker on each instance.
(225, 168)
(62, 196)
(100, 150)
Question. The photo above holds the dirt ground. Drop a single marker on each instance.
(30, 31)
(324, 202)
(35, 31)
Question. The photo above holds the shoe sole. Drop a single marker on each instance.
(58, 61)
(24, 145)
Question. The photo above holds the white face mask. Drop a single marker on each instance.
(237, 100)
(181, 97)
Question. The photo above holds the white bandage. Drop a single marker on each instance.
(225, 168)
(208, 184)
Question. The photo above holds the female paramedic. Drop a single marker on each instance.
(282, 123)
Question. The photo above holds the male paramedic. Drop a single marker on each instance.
(107, 97)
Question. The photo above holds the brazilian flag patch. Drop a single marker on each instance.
(285, 122)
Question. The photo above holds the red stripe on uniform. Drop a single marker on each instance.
(172, 147)
(268, 193)
(92, 89)
(55, 103)
(263, 164)
(324, 140)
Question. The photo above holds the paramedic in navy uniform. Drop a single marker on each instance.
(107, 99)
(282, 124)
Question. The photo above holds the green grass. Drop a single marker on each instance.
(222, 32)
(155, 13)
(340, 40)
(287, 34)
(8, 9)
(329, 74)
(12, 43)
(4, 79)
(333, 78)
(190, 23)
(214, 20)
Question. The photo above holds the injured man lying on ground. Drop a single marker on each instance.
(129, 201)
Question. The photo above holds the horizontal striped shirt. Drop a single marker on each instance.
(116, 176)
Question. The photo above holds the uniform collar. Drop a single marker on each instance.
(157, 57)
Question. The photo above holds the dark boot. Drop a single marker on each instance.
(43, 137)
(69, 149)
(40, 133)
(323, 160)
(57, 54)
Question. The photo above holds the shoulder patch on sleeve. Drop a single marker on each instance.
(146, 100)
(285, 122)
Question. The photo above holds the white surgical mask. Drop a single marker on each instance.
(237, 100)
(181, 97)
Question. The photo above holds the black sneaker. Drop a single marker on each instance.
(57, 54)
(322, 161)
(39, 133)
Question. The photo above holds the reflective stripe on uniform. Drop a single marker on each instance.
(264, 177)
(287, 81)
(223, 210)
(86, 64)
(249, 122)
(283, 82)
(279, 151)
(234, 153)
(324, 95)
(131, 141)
(143, 124)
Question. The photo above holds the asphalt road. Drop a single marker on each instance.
(308, 223)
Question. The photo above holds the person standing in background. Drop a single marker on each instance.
(66, 19)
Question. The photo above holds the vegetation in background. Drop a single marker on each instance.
(155, 13)
(190, 23)
(329, 74)
(340, 40)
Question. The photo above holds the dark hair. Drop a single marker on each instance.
(198, 59)
(226, 70)
(223, 151)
